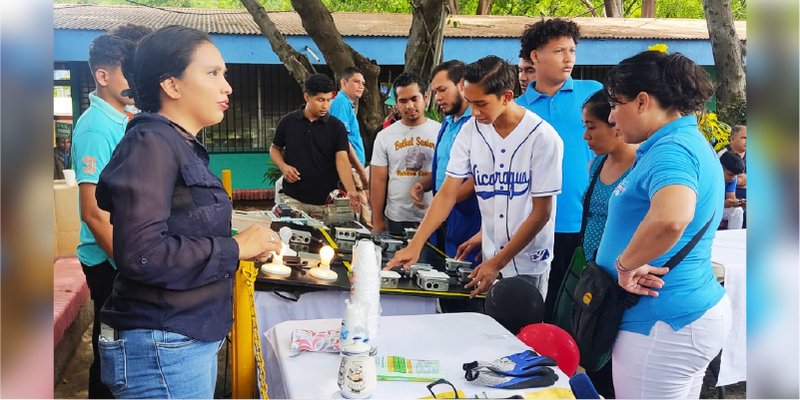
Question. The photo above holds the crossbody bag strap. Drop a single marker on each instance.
(587, 198)
(680, 255)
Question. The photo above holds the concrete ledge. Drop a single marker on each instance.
(70, 293)
(253, 194)
(72, 311)
(71, 340)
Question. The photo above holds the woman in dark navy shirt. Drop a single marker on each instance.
(171, 306)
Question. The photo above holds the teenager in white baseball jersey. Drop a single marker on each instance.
(402, 154)
(515, 159)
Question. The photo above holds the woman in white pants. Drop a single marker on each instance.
(668, 338)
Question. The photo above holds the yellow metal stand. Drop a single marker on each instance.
(242, 338)
(227, 182)
(248, 362)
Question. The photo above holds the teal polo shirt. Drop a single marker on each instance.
(676, 154)
(97, 133)
(447, 136)
(343, 109)
(563, 112)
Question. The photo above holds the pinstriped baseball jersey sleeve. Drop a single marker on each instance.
(546, 158)
(459, 164)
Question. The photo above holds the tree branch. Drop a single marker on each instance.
(318, 23)
(727, 51)
(425, 38)
(648, 9)
(613, 8)
(591, 7)
(485, 7)
(296, 63)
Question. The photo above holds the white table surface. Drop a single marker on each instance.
(453, 339)
(272, 309)
(730, 250)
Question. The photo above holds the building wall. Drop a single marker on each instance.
(73, 45)
(247, 169)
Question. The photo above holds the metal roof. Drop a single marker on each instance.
(239, 22)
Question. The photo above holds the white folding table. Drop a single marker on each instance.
(453, 339)
(730, 249)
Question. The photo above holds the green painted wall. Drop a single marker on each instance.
(247, 169)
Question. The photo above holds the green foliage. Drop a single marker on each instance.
(532, 8)
(679, 9)
(694, 9)
(162, 3)
(735, 112)
(272, 173)
(369, 6)
(716, 132)
(433, 112)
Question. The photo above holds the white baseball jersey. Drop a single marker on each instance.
(508, 173)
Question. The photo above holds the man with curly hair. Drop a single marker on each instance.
(557, 98)
(97, 133)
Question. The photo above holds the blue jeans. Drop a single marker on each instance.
(149, 363)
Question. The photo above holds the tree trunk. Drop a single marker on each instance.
(318, 23)
(371, 110)
(613, 8)
(590, 6)
(727, 51)
(296, 63)
(426, 36)
(648, 9)
(484, 7)
(453, 4)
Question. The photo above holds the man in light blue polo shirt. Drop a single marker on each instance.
(464, 220)
(96, 135)
(558, 99)
(344, 107)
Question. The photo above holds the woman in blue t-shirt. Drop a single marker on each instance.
(614, 160)
(668, 338)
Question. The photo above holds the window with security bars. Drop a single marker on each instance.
(262, 94)
(78, 84)
(593, 72)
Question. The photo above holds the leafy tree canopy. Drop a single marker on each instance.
(562, 8)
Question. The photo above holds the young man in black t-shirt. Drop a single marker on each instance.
(310, 148)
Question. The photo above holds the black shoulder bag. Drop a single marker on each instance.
(562, 312)
(600, 303)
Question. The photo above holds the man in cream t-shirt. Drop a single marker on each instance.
(402, 153)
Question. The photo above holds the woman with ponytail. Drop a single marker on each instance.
(670, 203)
(171, 306)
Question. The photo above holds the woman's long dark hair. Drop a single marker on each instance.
(162, 54)
(674, 80)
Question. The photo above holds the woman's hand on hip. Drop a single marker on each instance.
(643, 280)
